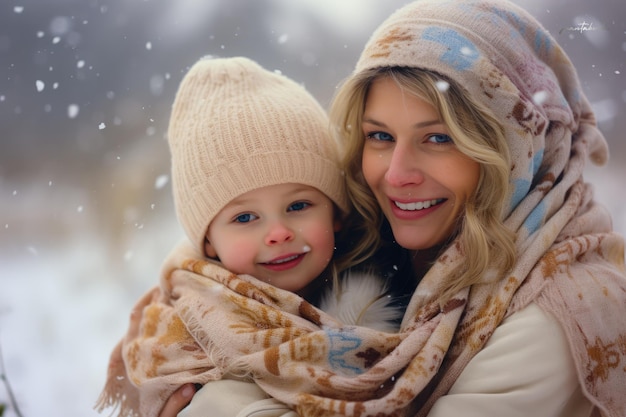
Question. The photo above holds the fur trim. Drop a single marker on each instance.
(362, 300)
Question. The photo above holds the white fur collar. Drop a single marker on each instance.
(362, 301)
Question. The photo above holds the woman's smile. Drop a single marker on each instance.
(419, 205)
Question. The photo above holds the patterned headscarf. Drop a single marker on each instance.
(570, 262)
(202, 322)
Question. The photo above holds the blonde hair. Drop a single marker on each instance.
(476, 133)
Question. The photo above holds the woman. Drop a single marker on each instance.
(466, 134)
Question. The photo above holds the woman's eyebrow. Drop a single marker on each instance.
(428, 123)
(418, 125)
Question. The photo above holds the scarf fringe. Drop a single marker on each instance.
(118, 393)
(118, 403)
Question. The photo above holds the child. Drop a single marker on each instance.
(256, 178)
(251, 160)
(257, 186)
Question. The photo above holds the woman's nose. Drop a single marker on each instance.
(277, 233)
(404, 167)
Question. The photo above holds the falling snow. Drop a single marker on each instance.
(86, 216)
(467, 51)
(72, 110)
(540, 97)
(161, 181)
(442, 86)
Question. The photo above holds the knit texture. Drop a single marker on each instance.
(236, 127)
(203, 321)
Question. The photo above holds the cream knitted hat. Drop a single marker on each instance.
(236, 127)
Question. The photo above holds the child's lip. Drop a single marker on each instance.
(284, 259)
(284, 262)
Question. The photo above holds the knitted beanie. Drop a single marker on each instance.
(237, 127)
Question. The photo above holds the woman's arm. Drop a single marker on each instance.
(525, 369)
(224, 398)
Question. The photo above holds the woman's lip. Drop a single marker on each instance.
(417, 205)
(411, 211)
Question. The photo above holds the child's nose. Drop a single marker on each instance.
(278, 233)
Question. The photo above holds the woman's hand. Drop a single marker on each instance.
(178, 400)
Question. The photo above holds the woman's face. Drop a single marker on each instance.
(419, 177)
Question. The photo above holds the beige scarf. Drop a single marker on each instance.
(202, 322)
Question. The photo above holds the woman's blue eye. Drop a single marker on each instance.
(440, 138)
(300, 205)
(245, 218)
(382, 136)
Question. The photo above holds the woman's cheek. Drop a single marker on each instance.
(373, 167)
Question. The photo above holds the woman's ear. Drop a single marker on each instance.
(337, 225)
(209, 250)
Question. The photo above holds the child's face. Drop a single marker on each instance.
(281, 234)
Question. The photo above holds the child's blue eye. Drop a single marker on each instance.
(300, 205)
(440, 138)
(382, 136)
(245, 218)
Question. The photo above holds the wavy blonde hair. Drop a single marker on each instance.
(477, 134)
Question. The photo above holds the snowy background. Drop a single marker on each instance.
(85, 207)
